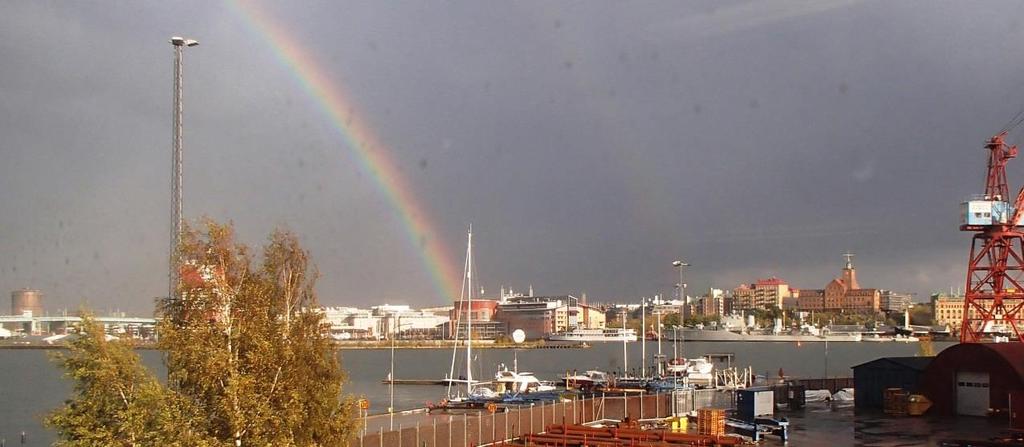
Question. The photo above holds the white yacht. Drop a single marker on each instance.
(519, 382)
(696, 371)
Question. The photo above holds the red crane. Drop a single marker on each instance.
(995, 271)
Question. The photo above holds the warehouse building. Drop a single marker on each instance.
(871, 379)
(976, 379)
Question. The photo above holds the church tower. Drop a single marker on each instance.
(849, 273)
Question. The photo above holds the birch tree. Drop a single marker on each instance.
(248, 358)
(116, 401)
(248, 343)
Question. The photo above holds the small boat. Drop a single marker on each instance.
(460, 404)
(588, 380)
(696, 371)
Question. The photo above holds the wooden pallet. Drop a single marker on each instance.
(711, 422)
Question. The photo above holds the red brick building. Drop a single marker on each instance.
(841, 294)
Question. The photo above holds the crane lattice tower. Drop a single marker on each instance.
(995, 294)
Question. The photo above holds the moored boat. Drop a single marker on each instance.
(519, 382)
(587, 380)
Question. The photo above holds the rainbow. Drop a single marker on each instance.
(359, 138)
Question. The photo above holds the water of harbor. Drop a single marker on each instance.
(31, 385)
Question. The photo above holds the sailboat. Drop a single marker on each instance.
(474, 397)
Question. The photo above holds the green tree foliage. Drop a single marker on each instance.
(852, 318)
(766, 317)
(116, 401)
(247, 353)
(702, 320)
(671, 319)
(922, 315)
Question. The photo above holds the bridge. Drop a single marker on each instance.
(37, 325)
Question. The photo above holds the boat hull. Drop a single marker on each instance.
(726, 336)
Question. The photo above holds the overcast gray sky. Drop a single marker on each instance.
(589, 143)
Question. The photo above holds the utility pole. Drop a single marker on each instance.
(661, 358)
(625, 353)
(682, 288)
(179, 44)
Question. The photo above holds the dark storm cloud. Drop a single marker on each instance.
(589, 143)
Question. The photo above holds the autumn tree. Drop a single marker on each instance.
(116, 401)
(246, 349)
(247, 342)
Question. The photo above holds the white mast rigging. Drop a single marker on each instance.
(468, 289)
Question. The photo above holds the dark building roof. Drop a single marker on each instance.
(1012, 353)
(915, 363)
(1009, 355)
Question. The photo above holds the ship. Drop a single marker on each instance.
(607, 334)
(721, 335)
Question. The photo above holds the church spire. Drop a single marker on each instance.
(849, 273)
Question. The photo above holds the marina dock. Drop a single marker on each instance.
(427, 382)
(415, 382)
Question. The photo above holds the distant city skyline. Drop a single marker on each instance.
(589, 145)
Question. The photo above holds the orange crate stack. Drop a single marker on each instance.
(711, 422)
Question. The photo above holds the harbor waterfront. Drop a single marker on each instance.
(31, 385)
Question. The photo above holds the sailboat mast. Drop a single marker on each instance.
(469, 319)
(643, 337)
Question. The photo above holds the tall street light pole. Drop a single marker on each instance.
(643, 339)
(179, 44)
(391, 374)
(625, 353)
(682, 288)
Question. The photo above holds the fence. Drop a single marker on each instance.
(686, 401)
(832, 384)
(482, 427)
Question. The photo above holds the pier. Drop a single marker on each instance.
(542, 422)
(415, 381)
(421, 429)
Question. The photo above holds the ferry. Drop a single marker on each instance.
(607, 334)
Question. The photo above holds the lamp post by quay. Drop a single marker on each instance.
(682, 288)
(391, 375)
(179, 44)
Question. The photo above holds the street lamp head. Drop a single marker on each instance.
(680, 263)
(181, 41)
